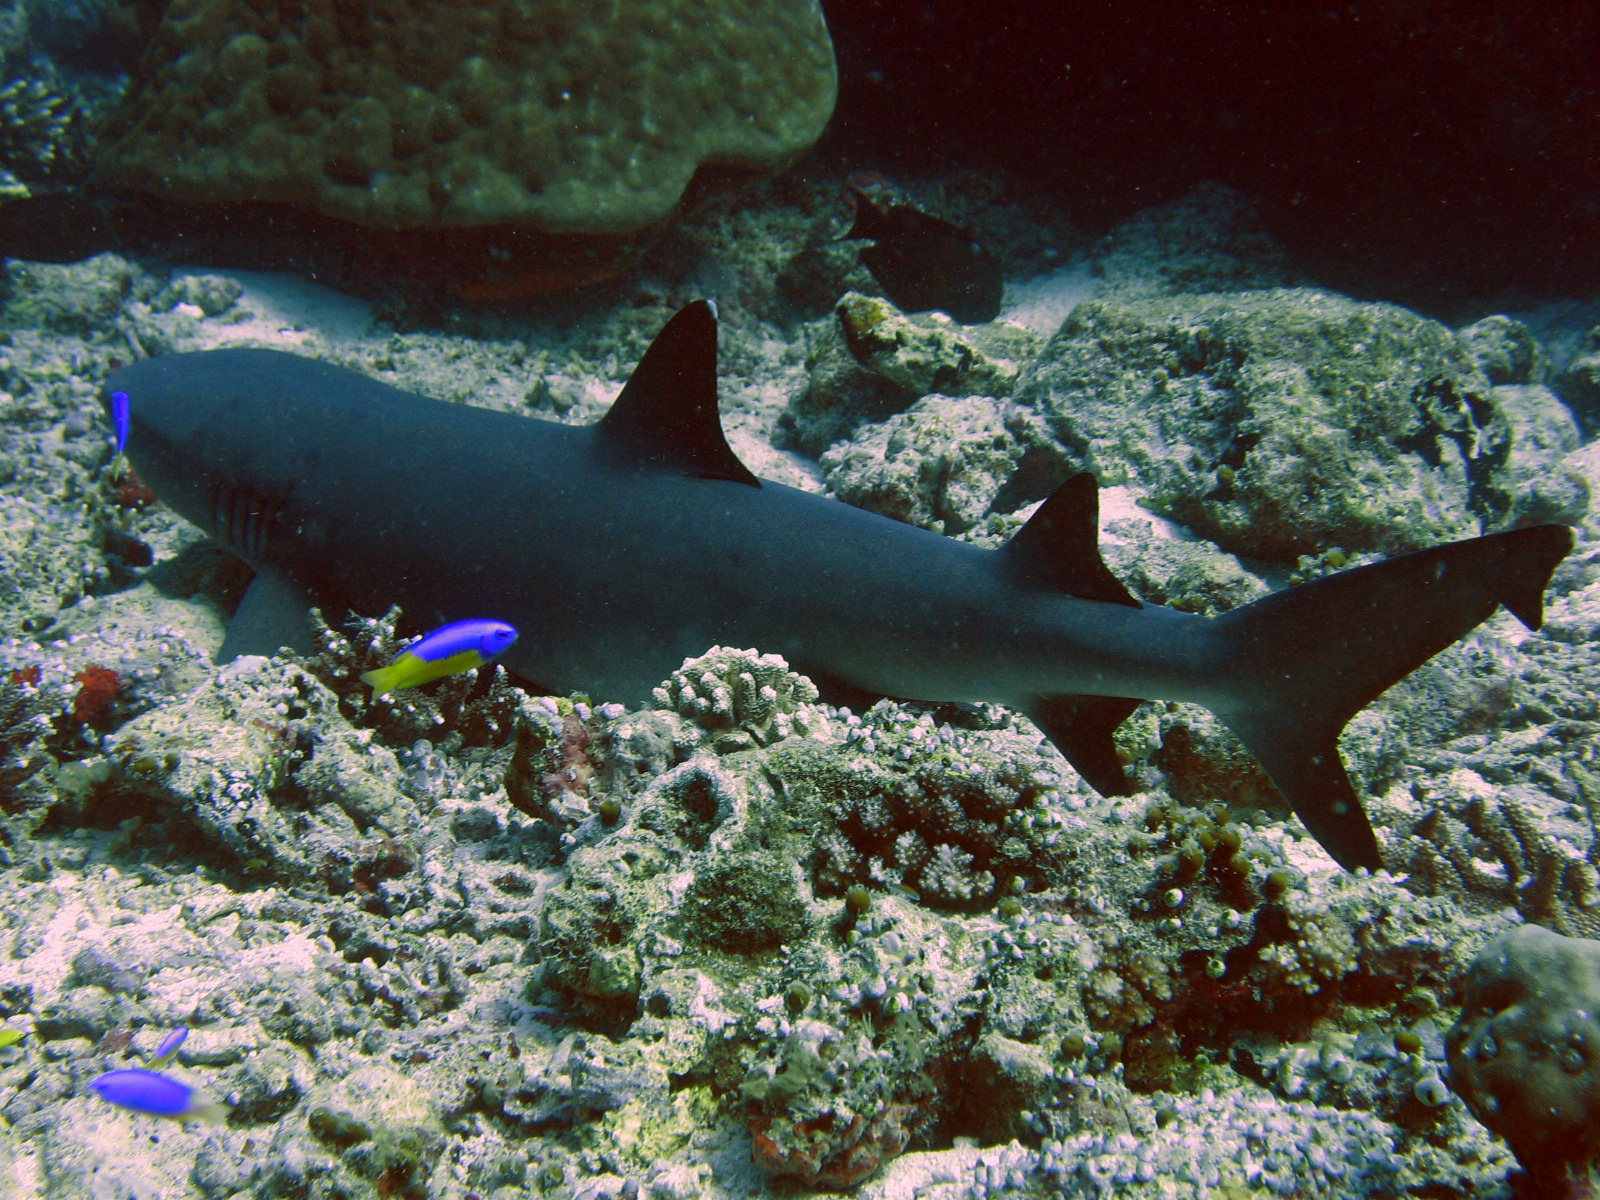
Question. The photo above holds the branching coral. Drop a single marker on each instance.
(479, 706)
(1508, 846)
(742, 698)
(42, 135)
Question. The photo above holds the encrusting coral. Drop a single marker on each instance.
(482, 942)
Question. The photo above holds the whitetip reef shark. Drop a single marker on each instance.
(620, 549)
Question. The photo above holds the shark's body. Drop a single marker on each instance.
(620, 549)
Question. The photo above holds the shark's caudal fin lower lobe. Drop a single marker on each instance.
(1308, 659)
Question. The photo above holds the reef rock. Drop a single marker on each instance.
(1212, 240)
(947, 463)
(1277, 423)
(1522, 1054)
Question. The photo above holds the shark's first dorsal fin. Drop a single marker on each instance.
(666, 416)
(1059, 547)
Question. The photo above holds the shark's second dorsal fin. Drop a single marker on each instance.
(666, 416)
(1059, 547)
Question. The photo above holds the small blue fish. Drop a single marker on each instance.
(120, 419)
(169, 1046)
(459, 646)
(156, 1095)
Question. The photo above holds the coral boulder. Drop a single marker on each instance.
(1523, 1054)
(557, 115)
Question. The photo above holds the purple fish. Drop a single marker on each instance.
(120, 419)
(155, 1095)
(169, 1046)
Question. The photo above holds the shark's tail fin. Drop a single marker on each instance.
(1309, 658)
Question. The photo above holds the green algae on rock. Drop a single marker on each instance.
(1505, 350)
(1211, 240)
(874, 360)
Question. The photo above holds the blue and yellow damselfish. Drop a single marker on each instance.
(458, 646)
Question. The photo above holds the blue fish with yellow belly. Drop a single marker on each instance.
(448, 650)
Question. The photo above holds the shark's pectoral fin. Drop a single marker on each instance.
(666, 417)
(274, 613)
(1081, 728)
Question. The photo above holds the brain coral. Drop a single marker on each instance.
(560, 115)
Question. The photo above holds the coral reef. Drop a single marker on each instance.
(1496, 809)
(742, 698)
(1212, 240)
(955, 816)
(374, 1124)
(946, 463)
(1510, 846)
(240, 760)
(25, 727)
(44, 138)
(1505, 350)
(1543, 483)
(472, 941)
(929, 353)
(1578, 383)
(875, 359)
(838, 395)
(541, 113)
